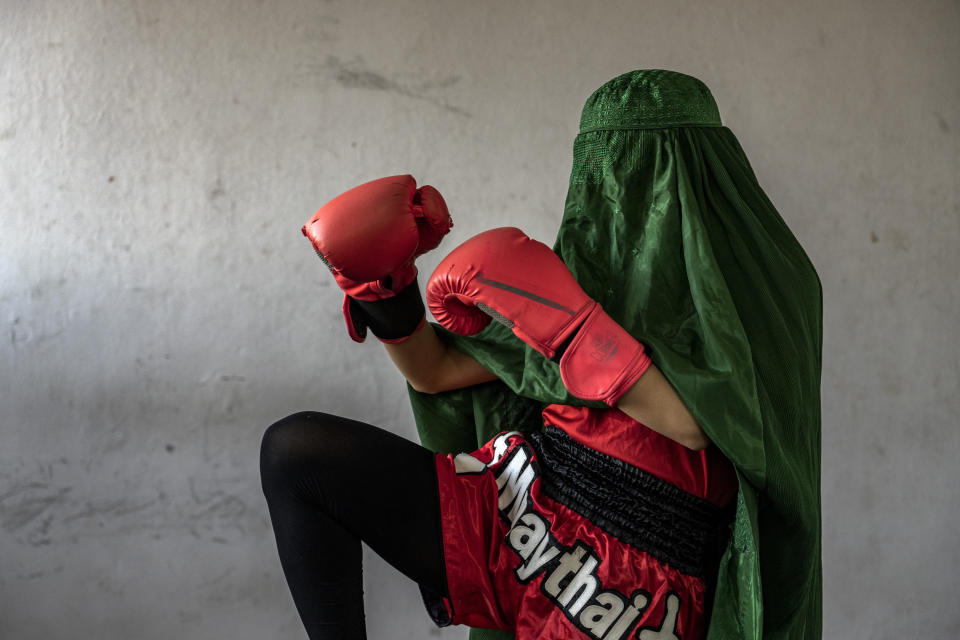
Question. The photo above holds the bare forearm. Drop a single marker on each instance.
(653, 401)
(431, 365)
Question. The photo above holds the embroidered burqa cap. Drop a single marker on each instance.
(667, 227)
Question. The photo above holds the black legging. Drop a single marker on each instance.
(331, 482)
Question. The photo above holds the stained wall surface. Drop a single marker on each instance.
(159, 308)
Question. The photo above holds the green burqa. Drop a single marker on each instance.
(666, 226)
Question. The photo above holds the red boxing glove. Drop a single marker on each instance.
(522, 283)
(369, 238)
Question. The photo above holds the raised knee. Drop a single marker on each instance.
(280, 441)
(305, 438)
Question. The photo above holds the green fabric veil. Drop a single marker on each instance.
(666, 226)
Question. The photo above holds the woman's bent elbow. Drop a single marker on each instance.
(425, 385)
(696, 441)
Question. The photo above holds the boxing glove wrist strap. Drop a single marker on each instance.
(391, 319)
(602, 361)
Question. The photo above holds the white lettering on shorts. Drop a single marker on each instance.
(466, 464)
(570, 573)
(668, 626)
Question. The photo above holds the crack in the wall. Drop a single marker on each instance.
(39, 509)
(356, 75)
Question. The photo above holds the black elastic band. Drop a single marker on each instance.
(635, 506)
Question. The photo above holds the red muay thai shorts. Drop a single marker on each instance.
(551, 539)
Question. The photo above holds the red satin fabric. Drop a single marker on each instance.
(518, 560)
(706, 474)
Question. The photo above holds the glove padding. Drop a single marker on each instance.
(369, 238)
(502, 274)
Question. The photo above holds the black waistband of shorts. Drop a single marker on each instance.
(677, 528)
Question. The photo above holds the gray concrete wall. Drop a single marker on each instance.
(159, 307)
